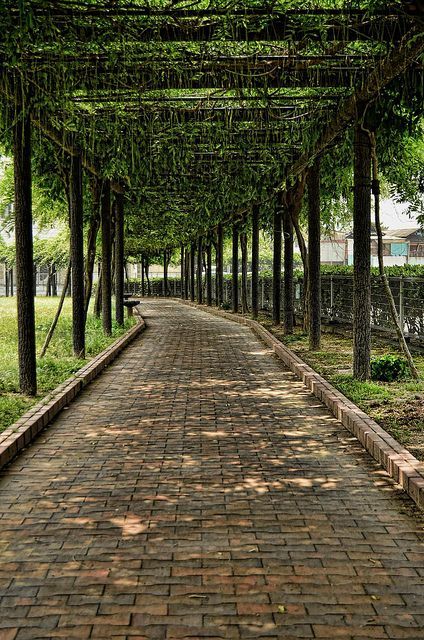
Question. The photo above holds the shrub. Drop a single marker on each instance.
(388, 368)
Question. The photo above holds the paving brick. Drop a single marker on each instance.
(197, 490)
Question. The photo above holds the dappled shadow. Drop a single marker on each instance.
(198, 488)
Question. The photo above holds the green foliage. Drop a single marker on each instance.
(119, 97)
(359, 391)
(388, 368)
(406, 270)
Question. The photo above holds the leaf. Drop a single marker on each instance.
(281, 608)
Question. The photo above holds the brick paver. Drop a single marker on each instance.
(197, 490)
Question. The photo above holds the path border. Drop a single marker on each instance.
(400, 464)
(22, 432)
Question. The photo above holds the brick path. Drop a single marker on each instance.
(197, 490)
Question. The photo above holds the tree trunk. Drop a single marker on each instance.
(119, 258)
(54, 279)
(98, 297)
(58, 312)
(199, 291)
(77, 256)
(192, 272)
(288, 293)
(393, 311)
(314, 256)
(235, 268)
(276, 269)
(165, 274)
(49, 282)
(142, 276)
(187, 275)
(255, 260)
(6, 280)
(244, 293)
(146, 271)
(361, 255)
(24, 248)
(293, 200)
(106, 259)
(183, 282)
(219, 266)
(209, 273)
(91, 242)
(11, 281)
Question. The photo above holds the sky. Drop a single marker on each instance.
(393, 215)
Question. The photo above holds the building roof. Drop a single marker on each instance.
(411, 233)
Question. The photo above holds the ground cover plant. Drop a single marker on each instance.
(398, 405)
(57, 365)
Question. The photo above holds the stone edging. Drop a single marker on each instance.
(401, 465)
(23, 431)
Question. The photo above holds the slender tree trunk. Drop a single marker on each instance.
(146, 271)
(276, 269)
(91, 242)
(219, 266)
(244, 294)
(183, 281)
(361, 255)
(199, 270)
(11, 281)
(24, 247)
(106, 259)
(192, 271)
(293, 200)
(187, 275)
(142, 276)
(393, 311)
(165, 273)
(119, 258)
(209, 273)
(98, 297)
(304, 255)
(49, 282)
(314, 256)
(288, 292)
(6, 280)
(54, 279)
(235, 304)
(255, 260)
(77, 256)
(58, 312)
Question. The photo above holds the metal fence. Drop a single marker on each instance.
(336, 299)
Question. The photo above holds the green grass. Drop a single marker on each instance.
(58, 363)
(398, 406)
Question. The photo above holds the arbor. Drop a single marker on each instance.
(196, 114)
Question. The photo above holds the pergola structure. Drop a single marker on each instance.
(194, 115)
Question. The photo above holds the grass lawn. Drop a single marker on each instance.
(397, 406)
(58, 363)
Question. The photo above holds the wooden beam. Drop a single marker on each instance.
(394, 64)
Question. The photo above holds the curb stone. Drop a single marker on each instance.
(400, 464)
(23, 431)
